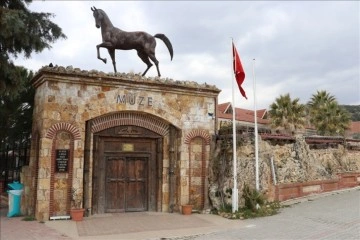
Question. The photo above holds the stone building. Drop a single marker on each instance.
(117, 143)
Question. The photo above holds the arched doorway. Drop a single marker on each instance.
(126, 160)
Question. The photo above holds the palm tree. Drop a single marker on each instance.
(320, 98)
(318, 102)
(326, 114)
(287, 114)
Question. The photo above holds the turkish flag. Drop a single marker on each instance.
(238, 70)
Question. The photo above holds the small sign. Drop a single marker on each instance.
(62, 160)
(128, 147)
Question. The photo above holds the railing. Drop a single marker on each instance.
(12, 158)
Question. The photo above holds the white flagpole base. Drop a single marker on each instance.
(235, 202)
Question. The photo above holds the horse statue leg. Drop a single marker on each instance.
(104, 45)
(98, 54)
(112, 55)
(153, 58)
(144, 57)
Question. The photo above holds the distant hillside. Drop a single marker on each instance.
(354, 110)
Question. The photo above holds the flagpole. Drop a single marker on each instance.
(256, 133)
(235, 190)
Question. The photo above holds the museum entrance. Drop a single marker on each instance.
(126, 183)
(117, 143)
(126, 170)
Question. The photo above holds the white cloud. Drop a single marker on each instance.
(300, 47)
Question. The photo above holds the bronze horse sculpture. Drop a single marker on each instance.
(115, 38)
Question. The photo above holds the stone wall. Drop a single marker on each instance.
(293, 163)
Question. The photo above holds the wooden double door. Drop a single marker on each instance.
(127, 171)
(126, 187)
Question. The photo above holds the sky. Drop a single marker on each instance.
(299, 47)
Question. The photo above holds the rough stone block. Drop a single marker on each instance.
(44, 183)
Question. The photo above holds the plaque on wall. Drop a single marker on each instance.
(128, 147)
(62, 160)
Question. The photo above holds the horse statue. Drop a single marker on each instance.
(115, 38)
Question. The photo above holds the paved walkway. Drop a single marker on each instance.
(141, 225)
(16, 229)
(336, 217)
(145, 225)
(161, 226)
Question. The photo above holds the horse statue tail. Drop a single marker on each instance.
(167, 43)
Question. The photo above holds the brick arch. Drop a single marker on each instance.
(197, 166)
(65, 127)
(74, 135)
(130, 118)
(198, 133)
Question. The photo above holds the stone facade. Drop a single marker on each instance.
(294, 163)
(72, 105)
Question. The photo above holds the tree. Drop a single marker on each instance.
(16, 122)
(287, 114)
(320, 100)
(16, 113)
(22, 32)
(326, 115)
(354, 111)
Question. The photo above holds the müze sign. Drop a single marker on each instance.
(132, 99)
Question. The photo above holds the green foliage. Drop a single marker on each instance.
(29, 218)
(356, 136)
(253, 198)
(256, 205)
(354, 111)
(226, 208)
(16, 113)
(323, 111)
(22, 32)
(326, 115)
(286, 114)
(268, 209)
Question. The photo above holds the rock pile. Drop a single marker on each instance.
(293, 162)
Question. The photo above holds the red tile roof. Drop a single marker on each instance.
(241, 114)
(223, 107)
(355, 127)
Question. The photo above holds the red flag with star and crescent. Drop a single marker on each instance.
(238, 70)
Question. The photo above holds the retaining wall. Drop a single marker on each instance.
(295, 190)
